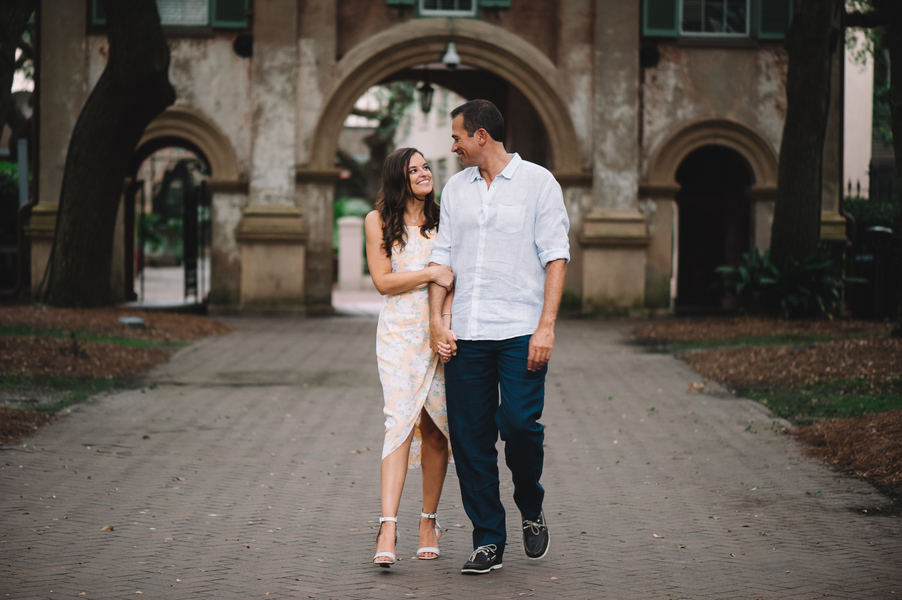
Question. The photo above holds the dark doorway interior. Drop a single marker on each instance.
(714, 223)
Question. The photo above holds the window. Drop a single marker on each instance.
(717, 17)
(225, 14)
(448, 8)
(183, 12)
(764, 19)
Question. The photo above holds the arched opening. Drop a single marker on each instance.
(181, 164)
(168, 225)
(495, 64)
(714, 211)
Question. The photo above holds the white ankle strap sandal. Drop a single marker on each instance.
(438, 535)
(390, 555)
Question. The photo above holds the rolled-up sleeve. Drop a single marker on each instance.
(552, 225)
(441, 251)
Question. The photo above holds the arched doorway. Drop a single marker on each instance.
(192, 148)
(492, 50)
(167, 226)
(714, 223)
(680, 182)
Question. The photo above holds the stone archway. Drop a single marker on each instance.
(419, 41)
(227, 186)
(192, 126)
(423, 40)
(660, 188)
(714, 132)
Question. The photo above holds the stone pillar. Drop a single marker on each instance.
(271, 239)
(763, 216)
(614, 237)
(273, 100)
(227, 204)
(317, 47)
(269, 234)
(660, 269)
(614, 244)
(350, 253)
(64, 89)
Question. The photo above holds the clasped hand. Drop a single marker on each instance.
(443, 342)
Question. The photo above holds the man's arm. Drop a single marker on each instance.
(542, 341)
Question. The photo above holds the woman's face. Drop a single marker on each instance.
(419, 175)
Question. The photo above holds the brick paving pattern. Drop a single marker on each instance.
(249, 469)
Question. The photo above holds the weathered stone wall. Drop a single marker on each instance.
(690, 84)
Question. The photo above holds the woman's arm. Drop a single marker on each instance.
(387, 282)
(446, 310)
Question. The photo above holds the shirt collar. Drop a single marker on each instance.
(507, 173)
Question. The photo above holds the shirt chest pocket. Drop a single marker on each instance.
(510, 218)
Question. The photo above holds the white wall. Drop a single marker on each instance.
(859, 95)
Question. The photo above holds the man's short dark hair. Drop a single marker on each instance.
(481, 114)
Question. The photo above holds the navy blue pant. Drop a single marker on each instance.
(476, 417)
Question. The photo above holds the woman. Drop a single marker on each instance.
(400, 233)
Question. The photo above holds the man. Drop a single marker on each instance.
(503, 231)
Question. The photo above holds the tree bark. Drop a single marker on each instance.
(133, 89)
(14, 16)
(811, 42)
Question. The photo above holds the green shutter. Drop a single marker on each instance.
(98, 15)
(774, 17)
(660, 18)
(400, 2)
(229, 14)
(495, 3)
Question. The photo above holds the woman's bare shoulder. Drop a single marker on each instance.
(373, 218)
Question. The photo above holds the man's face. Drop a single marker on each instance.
(463, 145)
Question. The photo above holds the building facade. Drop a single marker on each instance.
(661, 119)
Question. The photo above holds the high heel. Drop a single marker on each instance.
(391, 555)
(438, 536)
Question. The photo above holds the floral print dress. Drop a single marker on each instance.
(412, 375)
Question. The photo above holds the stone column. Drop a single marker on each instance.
(316, 43)
(64, 89)
(269, 259)
(350, 253)
(614, 237)
(660, 269)
(272, 239)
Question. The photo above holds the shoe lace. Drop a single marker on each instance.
(535, 526)
(491, 548)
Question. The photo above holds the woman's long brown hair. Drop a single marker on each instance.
(392, 200)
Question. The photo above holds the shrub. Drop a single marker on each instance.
(870, 212)
(808, 288)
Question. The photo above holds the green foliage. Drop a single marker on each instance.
(870, 212)
(9, 202)
(808, 288)
(840, 399)
(751, 282)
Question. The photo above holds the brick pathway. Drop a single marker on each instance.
(250, 470)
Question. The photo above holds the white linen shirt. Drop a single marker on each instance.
(498, 241)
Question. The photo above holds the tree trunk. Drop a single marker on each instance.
(13, 19)
(811, 42)
(133, 89)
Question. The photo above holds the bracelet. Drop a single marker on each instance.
(443, 314)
